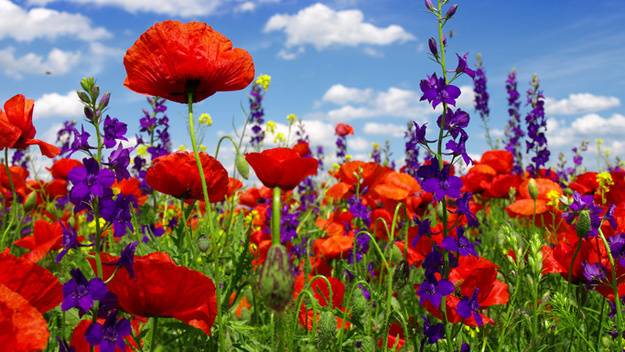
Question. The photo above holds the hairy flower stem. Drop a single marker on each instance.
(153, 333)
(196, 154)
(275, 217)
(617, 299)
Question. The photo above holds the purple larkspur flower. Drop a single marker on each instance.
(415, 135)
(119, 161)
(514, 131)
(433, 332)
(127, 259)
(470, 307)
(80, 293)
(536, 128)
(463, 66)
(580, 203)
(257, 115)
(460, 244)
(110, 335)
(436, 90)
(114, 130)
(117, 210)
(443, 186)
(69, 240)
(463, 208)
(594, 273)
(89, 181)
(433, 291)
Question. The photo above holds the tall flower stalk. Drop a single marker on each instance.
(514, 131)
(536, 128)
(481, 100)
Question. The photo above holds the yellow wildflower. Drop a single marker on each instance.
(263, 81)
(271, 127)
(206, 119)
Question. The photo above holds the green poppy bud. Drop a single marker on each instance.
(532, 188)
(326, 331)
(360, 308)
(582, 227)
(242, 166)
(203, 243)
(275, 282)
(31, 201)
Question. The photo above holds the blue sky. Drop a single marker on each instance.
(355, 61)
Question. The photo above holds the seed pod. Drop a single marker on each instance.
(326, 331)
(582, 227)
(532, 189)
(275, 282)
(360, 308)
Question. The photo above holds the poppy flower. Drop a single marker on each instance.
(160, 288)
(16, 127)
(544, 186)
(171, 59)
(36, 284)
(333, 246)
(396, 186)
(176, 174)
(23, 328)
(343, 130)
(46, 237)
(233, 186)
(585, 183)
(18, 175)
(281, 167)
(61, 168)
(500, 160)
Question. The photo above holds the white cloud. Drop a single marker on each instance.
(67, 106)
(594, 124)
(57, 62)
(322, 27)
(247, 6)
(358, 144)
(183, 8)
(384, 129)
(340, 94)
(580, 103)
(355, 103)
(27, 25)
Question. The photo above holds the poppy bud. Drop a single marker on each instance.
(364, 344)
(84, 97)
(433, 47)
(582, 227)
(243, 167)
(396, 255)
(31, 201)
(429, 5)
(202, 243)
(439, 209)
(401, 274)
(360, 308)
(451, 11)
(326, 331)
(275, 280)
(532, 189)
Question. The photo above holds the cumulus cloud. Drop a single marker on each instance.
(384, 129)
(357, 103)
(67, 106)
(36, 23)
(56, 62)
(321, 27)
(580, 103)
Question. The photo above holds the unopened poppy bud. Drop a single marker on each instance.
(532, 189)
(451, 11)
(433, 47)
(203, 243)
(396, 255)
(243, 167)
(364, 344)
(429, 5)
(275, 280)
(326, 331)
(360, 308)
(31, 201)
(401, 274)
(582, 227)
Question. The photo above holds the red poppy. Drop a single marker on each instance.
(281, 167)
(336, 246)
(396, 186)
(176, 174)
(352, 172)
(36, 284)
(61, 168)
(343, 129)
(500, 185)
(17, 129)
(22, 326)
(46, 236)
(233, 186)
(616, 194)
(544, 186)
(161, 288)
(18, 176)
(500, 160)
(303, 149)
(172, 58)
(585, 183)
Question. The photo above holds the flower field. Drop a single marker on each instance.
(129, 244)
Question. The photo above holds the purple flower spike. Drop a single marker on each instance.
(110, 335)
(433, 291)
(80, 293)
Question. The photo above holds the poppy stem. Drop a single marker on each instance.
(196, 154)
(275, 216)
(153, 332)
